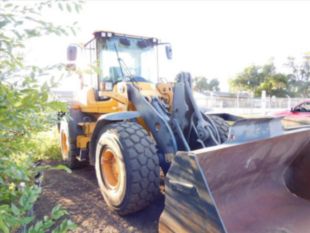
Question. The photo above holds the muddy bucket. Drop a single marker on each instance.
(258, 182)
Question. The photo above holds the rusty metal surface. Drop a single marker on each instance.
(255, 129)
(189, 207)
(253, 183)
(259, 182)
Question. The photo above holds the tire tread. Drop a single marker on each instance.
(222, 127)
(143, 165)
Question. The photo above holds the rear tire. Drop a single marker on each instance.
(222, 127)
(127, 167)
(69, 130)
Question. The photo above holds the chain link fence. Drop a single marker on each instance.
(248, 105)
(234, 105)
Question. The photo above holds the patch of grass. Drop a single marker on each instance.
(46, 145)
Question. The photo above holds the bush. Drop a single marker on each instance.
(26, 112)
(46, 145)
(18, 193)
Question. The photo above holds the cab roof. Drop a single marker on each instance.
(110, 34)
(100, 34)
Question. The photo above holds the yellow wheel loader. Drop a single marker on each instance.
(251, 177)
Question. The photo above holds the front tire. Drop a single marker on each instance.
(222, 127)
(127, 167)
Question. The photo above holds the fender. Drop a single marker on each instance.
(119, 116)
(104, 120)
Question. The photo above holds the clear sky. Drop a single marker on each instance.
(216, 39)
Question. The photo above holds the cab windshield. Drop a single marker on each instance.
(123, 58)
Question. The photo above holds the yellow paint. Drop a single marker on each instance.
(75, 105)
(114, 96)
(166, 92)
(147, 89)
(82, 141)
(110, 168)
(118, 102)
(64, 143)
(88, 129)
(104, 106)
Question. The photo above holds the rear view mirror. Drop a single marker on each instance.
(168, 52)
(71, 53)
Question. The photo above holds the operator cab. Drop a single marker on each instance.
(117, 58)
(112, 59)
(126, 58)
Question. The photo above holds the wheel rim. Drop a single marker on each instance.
(64, 144)
(109, 168)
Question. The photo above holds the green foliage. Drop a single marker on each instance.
(18, 194)
(274, 85)
(248, 80)
(299, 77)
(46, 145)
(202, 84)
(26, 109)
(255, 79)
(50, 222)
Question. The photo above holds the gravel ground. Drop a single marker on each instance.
(79, 194)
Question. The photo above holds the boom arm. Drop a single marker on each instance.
(186, 128)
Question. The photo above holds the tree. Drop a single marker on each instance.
(274, 85)
(25, 110)
(202, 84)
(255, 79)
(299, 77)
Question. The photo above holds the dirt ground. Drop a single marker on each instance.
(78, 192)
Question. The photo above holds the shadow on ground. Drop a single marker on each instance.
(79, 194)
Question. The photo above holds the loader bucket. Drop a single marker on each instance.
(258, 182)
